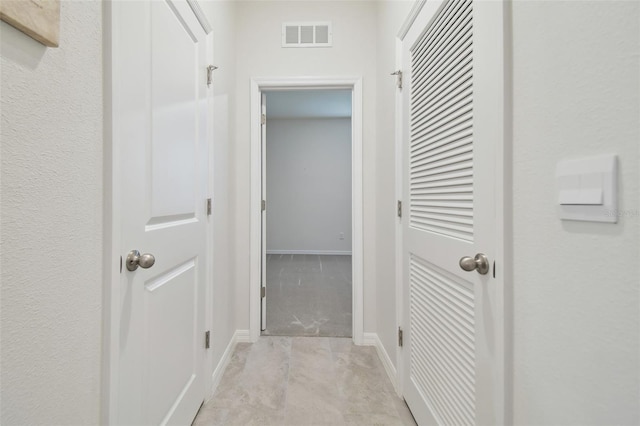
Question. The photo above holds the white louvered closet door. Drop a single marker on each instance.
(453, 130)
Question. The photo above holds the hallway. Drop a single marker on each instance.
(304, 381)
(494, 225)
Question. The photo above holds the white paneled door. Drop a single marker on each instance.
(161, 112)
(453, 130)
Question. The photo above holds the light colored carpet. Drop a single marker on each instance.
(304, 381)
(308, 295)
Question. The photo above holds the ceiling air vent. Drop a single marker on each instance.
(306, 34)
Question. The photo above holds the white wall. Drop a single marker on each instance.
(353, 54)
(222, 17)
(576, 285)
(391, 16)
(51, 261)
(309, 185)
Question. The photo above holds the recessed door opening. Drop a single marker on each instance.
(260, 207)
(307, 221)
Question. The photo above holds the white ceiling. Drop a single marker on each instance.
(309, 104)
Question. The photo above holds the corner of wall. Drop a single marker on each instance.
(372, 339)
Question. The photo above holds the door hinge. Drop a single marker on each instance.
(263, 119)
(263, 292)
(264, 205)
(399, 208)
(208, 206)
(207, 339)
(400, 342)
(398, 75)
(210, 70)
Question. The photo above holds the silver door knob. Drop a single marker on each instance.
(480, 263)
(135, 259)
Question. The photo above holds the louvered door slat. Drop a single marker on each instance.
(456, 125)
(452, 219)
(455, 393)
(427, 177)
(440, 394)
(441, 149)
(449, 212)
(446, 183)
(463, 385)
(456, 152)
(445, 101)
(442, 122)
(457, 218)
(449, 164)
(444, 94)
(429, 123)
(454, 71)
(442, 226)
(443, 91)
(460, 137)
(442, 50)
(443, 302)
(440, 361)
(453, 189)
(442, 324)
(442, 60)
(456, 359)
(435, 31)
(438, 53)
(433, 391)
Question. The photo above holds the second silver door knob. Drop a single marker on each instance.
(135, 259)
(479, 263)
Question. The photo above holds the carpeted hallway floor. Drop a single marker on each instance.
(308, 295)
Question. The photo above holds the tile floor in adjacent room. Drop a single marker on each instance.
(308, 295)
(304, 381)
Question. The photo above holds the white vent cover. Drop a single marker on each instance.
(306, 34)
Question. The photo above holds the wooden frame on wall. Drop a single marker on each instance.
(39, 19)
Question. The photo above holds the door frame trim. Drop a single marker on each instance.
(113, 214)
(398, 222)
(258, 85)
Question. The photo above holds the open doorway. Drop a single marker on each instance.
(307, 240)
(258, 294)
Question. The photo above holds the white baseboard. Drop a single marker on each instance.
(240, 336)
(320, 252)
(372, 339)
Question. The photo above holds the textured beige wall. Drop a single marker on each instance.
(576, 79)
(51, 191)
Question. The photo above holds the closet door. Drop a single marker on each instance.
(453, 130)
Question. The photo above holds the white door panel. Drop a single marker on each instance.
(174, 53)
(453, 129)
(160, 113)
